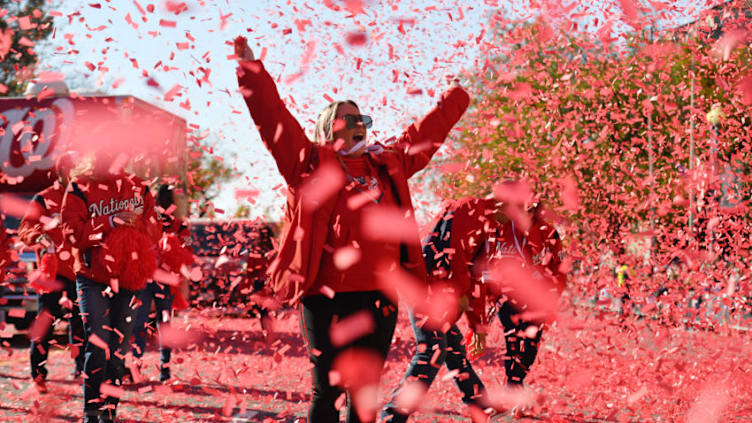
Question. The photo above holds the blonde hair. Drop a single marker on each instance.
(323, 130)
(84, 166)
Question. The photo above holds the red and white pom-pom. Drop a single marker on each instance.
(130, 256)
(172, 254)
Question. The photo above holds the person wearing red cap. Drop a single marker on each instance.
(42, 230)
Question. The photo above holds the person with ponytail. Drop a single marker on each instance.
(338, 187)
(109, 218)
(54, 281)
(174, 253)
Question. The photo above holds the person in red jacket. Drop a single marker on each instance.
(158, 292)
(5, 256)
(455, 251)
(535, 252)
(109, 218)
(42, 229)
(334, 186)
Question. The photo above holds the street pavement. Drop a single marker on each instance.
(591, 368)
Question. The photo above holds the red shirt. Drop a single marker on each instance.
(43, 217)
(539, 247)
(347, 231)
(87, 211)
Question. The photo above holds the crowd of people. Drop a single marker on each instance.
(473, 253)
(108, 249)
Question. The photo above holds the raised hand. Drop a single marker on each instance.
(242, 49)
(452, 80)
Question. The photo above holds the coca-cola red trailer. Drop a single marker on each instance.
(36, 129)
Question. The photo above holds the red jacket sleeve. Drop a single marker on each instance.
(82, 231)
(423, 138)
(31, 228)
(476, 314)
(280, 131)
(467, 242)
(547, 244)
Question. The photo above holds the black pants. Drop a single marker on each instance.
(521, 349)
(110, 318)
(50, 309)
(162, 298)
(316, 315)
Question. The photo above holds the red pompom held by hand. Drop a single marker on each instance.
(48, 265)
(44, 279)
(130, 256)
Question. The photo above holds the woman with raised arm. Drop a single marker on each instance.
(320, 230)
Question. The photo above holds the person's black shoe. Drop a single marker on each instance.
(91, 419)
(127, 376)
(164, 374)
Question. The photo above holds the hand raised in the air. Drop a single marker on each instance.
(242, 49)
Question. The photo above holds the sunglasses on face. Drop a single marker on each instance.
(352, 121)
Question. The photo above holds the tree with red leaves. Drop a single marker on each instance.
(22, 25)
(620, 141)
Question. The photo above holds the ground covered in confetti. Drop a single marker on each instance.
(592, 368)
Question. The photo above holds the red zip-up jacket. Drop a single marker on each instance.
(87, 211)
(472, 227)
(296, 265)
(43, 218)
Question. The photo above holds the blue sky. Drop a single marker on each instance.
(415, 42)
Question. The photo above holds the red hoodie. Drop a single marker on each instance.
(297, 264)
(472, 228)
(87, 211)
(43, 218)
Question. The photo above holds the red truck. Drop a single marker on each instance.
(36, 129)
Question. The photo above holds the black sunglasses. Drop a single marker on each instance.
(352, 121)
